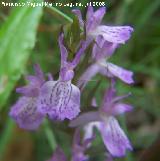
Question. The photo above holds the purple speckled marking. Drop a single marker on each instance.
(28, 113)
(59, 97)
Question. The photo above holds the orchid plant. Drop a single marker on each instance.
(61, 99)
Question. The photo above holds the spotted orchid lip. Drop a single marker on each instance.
(59, 99)
(26, 113)
(114, 137)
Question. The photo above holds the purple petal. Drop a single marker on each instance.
(102, 48)
(116, 109)
(59, 99)
(79, 15)
(26, 114)
(63, 50)
(114, 137)
(121, 73)
(90, 72)
(58, 155)
(111, 70)
(89, 20)
(111, 103)
(94, 18)
(35, 82)
(38, 73)
(118, 34)
(85, 118)
(120, 108)
(83, 46)
(66, 74)
(28, 91)
(108, 96)
(118, 98)
(90, 13)
(98, 15)
(97, 46)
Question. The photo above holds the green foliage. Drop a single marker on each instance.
(73, 35)
(17, 37)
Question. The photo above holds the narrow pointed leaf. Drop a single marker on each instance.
(17, 39)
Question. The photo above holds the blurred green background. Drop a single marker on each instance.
(29, 35)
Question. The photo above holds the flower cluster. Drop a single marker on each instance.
(78, 149)
(60, 99)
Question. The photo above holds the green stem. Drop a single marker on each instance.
(58, 12)
(5, 137)
(50, 136)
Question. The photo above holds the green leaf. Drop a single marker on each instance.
(17, 39)
(50, 135)
(73, 37)
(6, 136)
(75, 30)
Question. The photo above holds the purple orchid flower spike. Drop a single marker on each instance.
(79, 148)
(102, 50)
(61, 99)
(107, 39)
(104, 120)
(58, 155)
(25, 111)
(112, 34)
